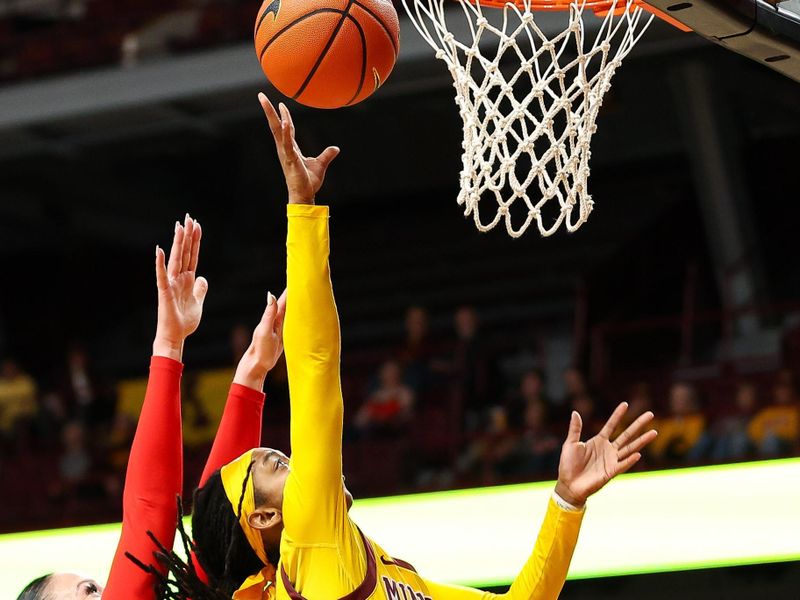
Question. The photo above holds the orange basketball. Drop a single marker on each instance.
(327, 53)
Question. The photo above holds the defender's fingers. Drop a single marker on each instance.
(575, 427)
(633, 429)
(162, 281)
(626, 464)
(194, 257)
(174, 266)
(200, 289)
(613, 421)
(273, 119)
(637, 444)
(188, 234)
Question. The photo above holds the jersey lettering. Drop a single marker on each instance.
(396, 590)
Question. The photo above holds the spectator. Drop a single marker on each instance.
(75, 463)
(538, 449)
(467, 366)
(574, 385)
(680, 434)
(416, 352)
(775, 429)
(640, 400)
(388, 409)
(81, 392)
(729, 438)
(531, 391)
(17, 397)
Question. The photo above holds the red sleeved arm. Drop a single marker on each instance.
(239, 430)
(152, 482)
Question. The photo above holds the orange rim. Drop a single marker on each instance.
(600, 7)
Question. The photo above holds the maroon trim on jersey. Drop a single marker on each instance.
(362, 592)
(398, 563)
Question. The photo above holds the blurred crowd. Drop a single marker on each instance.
(439, 411)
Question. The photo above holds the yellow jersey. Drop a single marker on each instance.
(324, 555)
(780, 420)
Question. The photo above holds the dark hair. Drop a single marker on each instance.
(35, 589)
(222, 548)
(219, 545)
(177, 579)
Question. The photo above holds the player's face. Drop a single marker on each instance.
(270, 470)
(69, 586)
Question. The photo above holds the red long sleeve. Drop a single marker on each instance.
(239, 430)
(152, 482)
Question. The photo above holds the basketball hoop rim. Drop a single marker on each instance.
(599, 7)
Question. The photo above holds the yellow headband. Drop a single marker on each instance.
(233, 476)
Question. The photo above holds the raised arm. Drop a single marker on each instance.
(155, 467)
(312, 341)
(240, 427)
(585, 467)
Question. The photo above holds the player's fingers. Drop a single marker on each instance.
(287, 116)
(288, 147)
(637, 444)
(633, 429)
(200, 289)
(162, 281)
(273, 120)
(575, 427)
(194, 258)
(174, 266)
(328, 155)
(626, 464)
(188, 234)
(613, 421)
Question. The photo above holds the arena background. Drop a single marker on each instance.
(118, 118)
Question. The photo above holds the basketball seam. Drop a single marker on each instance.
(325, 50)
(295, 22)
(381, 23)
(363, 59)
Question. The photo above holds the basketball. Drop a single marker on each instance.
(327, 53)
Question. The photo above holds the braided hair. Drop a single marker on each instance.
(219, 545)
(35, 589)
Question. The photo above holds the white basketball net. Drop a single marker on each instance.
(529, 124)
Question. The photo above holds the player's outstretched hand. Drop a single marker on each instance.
(585, 467)
(180, 292)
(266, 347)
(304, 176)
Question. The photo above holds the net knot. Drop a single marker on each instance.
(481, 22)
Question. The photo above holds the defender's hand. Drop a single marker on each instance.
(304, 176)
(180, 292)
(266, 347)
(584, 468)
